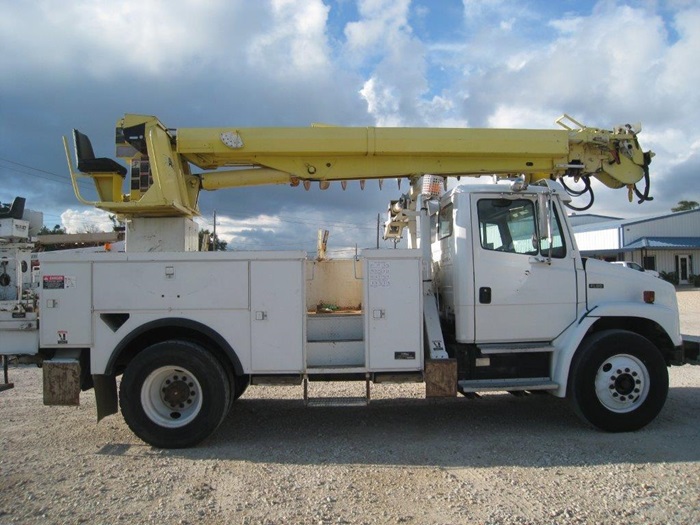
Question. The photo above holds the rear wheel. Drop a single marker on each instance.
(618, 381)
(174, 394)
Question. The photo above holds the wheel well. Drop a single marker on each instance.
(181, 329)
(644, 327)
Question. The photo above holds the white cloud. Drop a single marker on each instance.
(516, 116)
(103, 39)
(383, 23)
(474, 9)
(296, 40)
(614, 65)
(507, 25)
(397, 90)
(99, 38)
(86, 221)
(237, 231)
(382, 102)
(679, 77)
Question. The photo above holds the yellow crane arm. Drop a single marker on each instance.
(162, 183)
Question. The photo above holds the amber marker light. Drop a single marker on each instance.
(649, 296)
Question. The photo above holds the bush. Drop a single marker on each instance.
(694, 280)
(671, 277)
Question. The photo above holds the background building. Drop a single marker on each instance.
(667, 243)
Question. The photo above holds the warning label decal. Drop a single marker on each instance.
(58, 282)
(54, 282)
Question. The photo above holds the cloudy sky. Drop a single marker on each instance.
(450, 63)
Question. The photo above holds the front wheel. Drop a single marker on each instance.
(618, 381)
(174, 394)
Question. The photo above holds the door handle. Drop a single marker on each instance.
(485, 295)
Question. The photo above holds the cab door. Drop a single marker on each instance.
(519, 296)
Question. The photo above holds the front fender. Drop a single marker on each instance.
(570, 340)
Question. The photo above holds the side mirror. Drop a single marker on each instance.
(544, 220)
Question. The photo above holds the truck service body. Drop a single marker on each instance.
(491, 295)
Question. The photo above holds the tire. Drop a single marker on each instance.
(174, 394)
(618, 381)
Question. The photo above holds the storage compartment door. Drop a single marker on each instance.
(277, 316)
(394, 316)
(66, 304)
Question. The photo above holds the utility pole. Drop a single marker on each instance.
(213, 248)
(378, 222)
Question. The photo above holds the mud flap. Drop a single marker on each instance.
(689, 352)
(105, 395)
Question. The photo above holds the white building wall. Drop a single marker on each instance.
(598, 240)
(666, 259)
(589, 218)
(675, 225)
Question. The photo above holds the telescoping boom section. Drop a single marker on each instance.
(169, 167)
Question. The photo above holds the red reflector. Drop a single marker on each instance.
(649, 296)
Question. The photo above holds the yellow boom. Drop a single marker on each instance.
(162, 184)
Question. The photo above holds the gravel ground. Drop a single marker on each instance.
(497, 459)
(689, 306)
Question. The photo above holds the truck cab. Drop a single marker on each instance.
(497, 278)
(522, 310)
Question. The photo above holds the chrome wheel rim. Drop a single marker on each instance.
(622, 383)
(171, 397)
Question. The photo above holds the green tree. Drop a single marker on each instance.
(206, 242)
(117, 224)
(685, 206)
(57, 230)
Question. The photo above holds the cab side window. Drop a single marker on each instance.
(508, 225)
(445, 222)
(558, 244)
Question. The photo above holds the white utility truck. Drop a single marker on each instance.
(490, 295)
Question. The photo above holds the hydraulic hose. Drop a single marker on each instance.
(577, 193)
(645, 195)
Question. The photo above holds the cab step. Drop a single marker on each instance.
(495, 385)
(334, 401)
